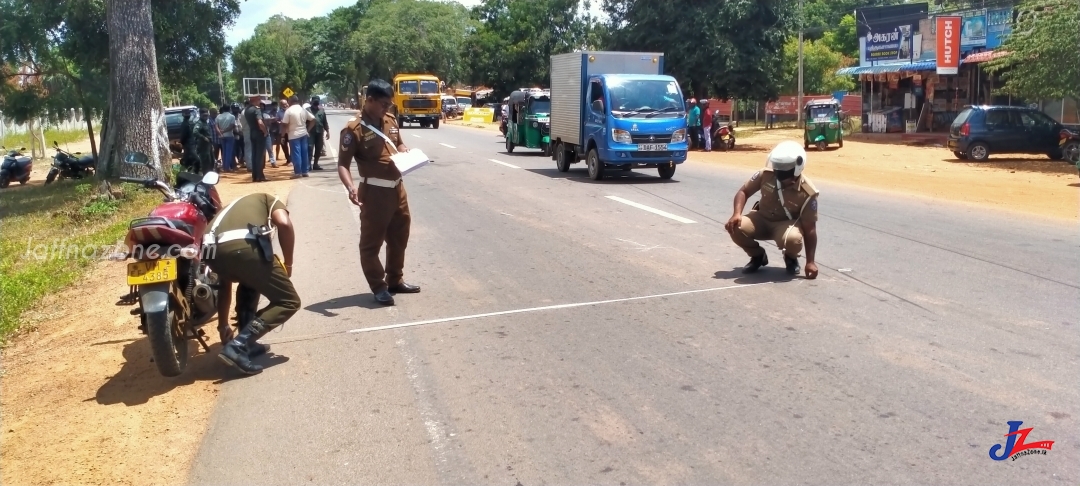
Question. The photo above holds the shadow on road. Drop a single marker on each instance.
(611, 176)
(327, 307)
(766, 274)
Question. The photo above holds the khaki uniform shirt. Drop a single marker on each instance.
(250, 209)
(794, 197)
(371, 151)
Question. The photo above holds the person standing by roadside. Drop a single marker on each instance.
(238, 113)
(215, 136)
(283, 136)
(270, 120)
(204, 136)
(694, 123)
(226, 127)
(296, 121)
(706, 124)
(256, 139)
(319, 132)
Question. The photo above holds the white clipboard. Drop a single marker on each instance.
(404, 161)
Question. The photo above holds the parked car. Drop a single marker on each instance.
(174, 117)
(979, 131)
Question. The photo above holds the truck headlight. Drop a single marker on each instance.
(679, 136)
(621, 136)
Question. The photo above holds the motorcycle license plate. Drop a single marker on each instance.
(151, 272)
(652, 147)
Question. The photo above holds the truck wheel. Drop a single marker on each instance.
(666, 171)
(596, 167)
(509, 145)
(562, 158)
(435, 124)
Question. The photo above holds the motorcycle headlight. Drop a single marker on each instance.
(621, 136)
(678, 136)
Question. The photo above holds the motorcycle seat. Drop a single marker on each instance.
(157, 221)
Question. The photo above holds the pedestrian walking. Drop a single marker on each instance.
(297, 120)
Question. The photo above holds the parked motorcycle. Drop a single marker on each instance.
(15, 167)
(175, 289)
(67, 165)
(724, 137)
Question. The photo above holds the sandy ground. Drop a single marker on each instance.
(83, 404)
(1022, 184)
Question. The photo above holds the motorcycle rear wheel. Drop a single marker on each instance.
(4, 181)
(168, 345)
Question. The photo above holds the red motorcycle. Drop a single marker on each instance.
(175, 289)
(724, 137)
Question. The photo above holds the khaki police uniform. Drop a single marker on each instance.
(240, 258)
(384, 214)
(768, 221)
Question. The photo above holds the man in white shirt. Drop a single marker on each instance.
(296, 123)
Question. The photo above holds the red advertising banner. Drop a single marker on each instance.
(948, 44)
(789, 105)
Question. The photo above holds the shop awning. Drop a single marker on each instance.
(888, 68)
(983, 56)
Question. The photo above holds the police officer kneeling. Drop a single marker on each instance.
(244, 254)
(787, 212)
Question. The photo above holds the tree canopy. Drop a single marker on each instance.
(1044, 51)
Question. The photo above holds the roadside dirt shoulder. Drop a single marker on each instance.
(82, 402)
(1022, 184)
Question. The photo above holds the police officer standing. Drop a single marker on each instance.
(319, 132)
(243, 253)
(384, 206)
(190, 159)
(205, 141)
(786, 214)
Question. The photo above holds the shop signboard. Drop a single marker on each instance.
(887, 33)
(998, 26)
(973, 34)
(948, 44)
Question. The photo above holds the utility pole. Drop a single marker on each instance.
(221, 85)
(799, 105)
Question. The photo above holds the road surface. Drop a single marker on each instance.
(580, 332)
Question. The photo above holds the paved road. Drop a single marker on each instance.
(564, 336)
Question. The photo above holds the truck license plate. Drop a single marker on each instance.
(652, 147)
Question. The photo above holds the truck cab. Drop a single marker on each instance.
(615, 109)
(418, 100)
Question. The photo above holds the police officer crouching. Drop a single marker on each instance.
(244, 253)
(786, 214)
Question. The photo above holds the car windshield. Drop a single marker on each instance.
(636, 97)
(540, 106)
(418, 87)
(464, 101)
(822, 111)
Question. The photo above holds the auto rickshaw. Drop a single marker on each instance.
(822, 124)
(528, 121)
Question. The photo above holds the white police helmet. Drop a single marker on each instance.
(787, 155)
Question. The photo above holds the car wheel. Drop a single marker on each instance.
(596, 167)
(979, 151)
(959, 155)
(1071, 152)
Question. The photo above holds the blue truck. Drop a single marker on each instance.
(616, 109)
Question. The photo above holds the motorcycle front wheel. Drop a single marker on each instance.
(52, 175)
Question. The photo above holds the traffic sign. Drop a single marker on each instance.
(288, 92)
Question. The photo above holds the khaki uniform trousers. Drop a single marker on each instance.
(384, 217)
(754, 227)
(241, 262)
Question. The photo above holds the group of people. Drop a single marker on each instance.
(249, 136)
(371, 140)
(786, 214)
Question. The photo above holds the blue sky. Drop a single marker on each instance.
(255, 12)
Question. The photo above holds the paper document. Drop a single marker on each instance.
(409, 161)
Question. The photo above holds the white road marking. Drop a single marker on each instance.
(644, 248)
(446, 145)
(435, 431)
(651, 210)
(417, 136)
(512, 166)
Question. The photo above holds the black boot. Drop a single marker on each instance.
(255, 349)
(792, 264)
(236, 352)
(756, 263)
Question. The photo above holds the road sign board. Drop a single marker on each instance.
(288, 92)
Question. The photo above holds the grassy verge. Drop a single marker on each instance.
(16, 140)
(52, 234)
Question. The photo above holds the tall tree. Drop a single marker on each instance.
(1044, 51)
(137, 118)
(733, 49)
(417, 36)
(278, 50)
(819, 68)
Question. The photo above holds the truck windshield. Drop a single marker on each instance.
(638, 97)
(418, 87)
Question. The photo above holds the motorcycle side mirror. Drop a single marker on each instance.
(211, 178)
(54, 144)
(22, 149)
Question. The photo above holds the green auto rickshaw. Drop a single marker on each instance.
(823, 124)
(528, 121)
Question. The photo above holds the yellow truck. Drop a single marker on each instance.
(417, 99)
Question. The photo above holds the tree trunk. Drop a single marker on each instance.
(86, 117)
(136, 120)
